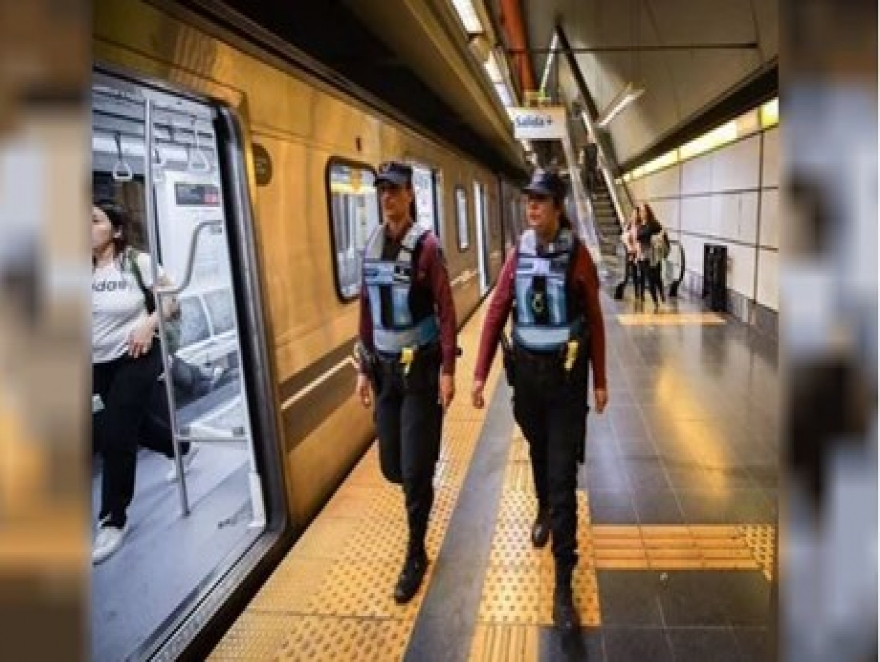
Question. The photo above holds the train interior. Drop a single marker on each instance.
(157, 155)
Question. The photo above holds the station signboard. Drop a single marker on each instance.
(544, 123)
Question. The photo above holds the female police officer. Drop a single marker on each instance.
(407, 339)
(551, 282)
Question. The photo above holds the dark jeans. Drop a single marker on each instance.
(135, 414)
(646, 274)
(551, 410)
(409, 422)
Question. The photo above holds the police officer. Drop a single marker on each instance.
(550, 282)
(407, 350)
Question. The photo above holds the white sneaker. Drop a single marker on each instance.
(107, 542)
(186, 460)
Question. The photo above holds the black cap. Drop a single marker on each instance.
(394, 172)
(545, 182)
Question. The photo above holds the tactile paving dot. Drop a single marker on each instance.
(255, 636)
(515, 505)
(512, 545)
(325, 538)
(760, 542)
(511, 594)
(364, 590)
(375, 540)
(292, 585)
(314, 639)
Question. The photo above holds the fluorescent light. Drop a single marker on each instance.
(468, 16)
(492, 69)
(770, 113)
(549, 63)
(503, 93)
(621, 101)
(726, 133)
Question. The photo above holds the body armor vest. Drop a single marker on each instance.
(389, 284)
(545, 316)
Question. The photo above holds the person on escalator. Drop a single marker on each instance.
(551, 284)
(126, 364)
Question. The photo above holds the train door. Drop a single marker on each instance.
(199, 503)
(482, 237)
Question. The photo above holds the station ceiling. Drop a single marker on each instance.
(674, 49)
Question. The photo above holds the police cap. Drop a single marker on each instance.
(545, 182)
(395, 173)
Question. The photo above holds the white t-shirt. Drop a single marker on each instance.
(117, 305)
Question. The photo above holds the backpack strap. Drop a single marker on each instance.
(149, 298)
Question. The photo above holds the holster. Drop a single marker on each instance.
(369, 364)
(509, 360)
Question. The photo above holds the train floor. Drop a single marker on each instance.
(676, 518)
(167, 557)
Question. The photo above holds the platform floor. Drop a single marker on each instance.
(677, 512)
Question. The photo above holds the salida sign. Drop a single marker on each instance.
(546, 123)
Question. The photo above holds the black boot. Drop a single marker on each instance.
(565, 614)
(541, 528)
(411, 576)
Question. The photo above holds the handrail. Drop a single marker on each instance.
(193, 244)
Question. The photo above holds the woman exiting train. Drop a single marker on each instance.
(126, 364)
(552, 285)
(407, 351)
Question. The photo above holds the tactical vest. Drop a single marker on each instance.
(389, 282)
(545, 316)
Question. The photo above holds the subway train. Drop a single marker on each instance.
(248, 175)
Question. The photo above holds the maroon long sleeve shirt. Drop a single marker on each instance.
(431, 273)
(586, 284)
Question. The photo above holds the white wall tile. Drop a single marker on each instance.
(696, 175)
(663, 184)
(770, 218)
(735, 167)
(696, 214)
(768, 279)
(770, 165)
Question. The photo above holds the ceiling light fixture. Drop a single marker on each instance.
(626, 96)
(468, 16)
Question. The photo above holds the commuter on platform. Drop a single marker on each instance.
(552, 285)
(406, 356)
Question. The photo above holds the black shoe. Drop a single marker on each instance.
(541, 528)
(565, 614)
(410, 578)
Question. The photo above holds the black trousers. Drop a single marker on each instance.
(126, 387)
(646, 275)
(551, 410)
(135, 414)
(409, 422)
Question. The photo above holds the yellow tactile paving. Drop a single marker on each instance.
(331, 598)
(505, 643)
(670, 319)
(518, 587)
(760, 542)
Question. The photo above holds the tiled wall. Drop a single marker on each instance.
(729, 196)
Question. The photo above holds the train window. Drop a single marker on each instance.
(461, 215)
(425, 197)
(354, 213)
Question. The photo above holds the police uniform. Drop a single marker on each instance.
(552, 293)
(407, 338)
